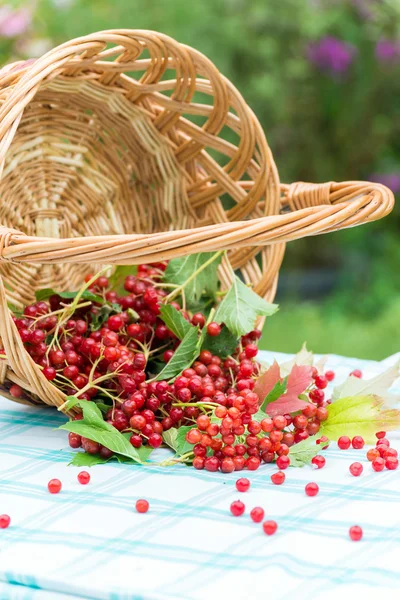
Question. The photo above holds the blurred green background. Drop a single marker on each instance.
(323, 76)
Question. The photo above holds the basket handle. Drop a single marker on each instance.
(308, 209)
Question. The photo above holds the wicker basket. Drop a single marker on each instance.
(124, 147)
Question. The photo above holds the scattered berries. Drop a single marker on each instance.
(83, 477)
(378, 464)
(54, 486)
(344, 442)
(355, 533)
(237, 508)
(318, 461)
(357, 442)
(142, 506)
(242, 484)
(356, 373)
(257, 514)
(4, 521)
(380, 434)
(278, 478)
(356, 469)
(270, 527)
(312, 489)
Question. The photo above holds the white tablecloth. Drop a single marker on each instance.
(89, 542)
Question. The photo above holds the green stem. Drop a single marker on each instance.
(178, 290)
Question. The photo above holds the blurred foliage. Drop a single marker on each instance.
(323, 78)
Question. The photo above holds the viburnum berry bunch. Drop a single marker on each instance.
(158, 354)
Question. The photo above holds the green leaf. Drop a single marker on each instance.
(277, 391)
(169, 437)
(102, 315)
(301, 454)
(240, 308)
(83, 459)
(184, 356)
(175, 321)
(93, 427)
(179, 270)
(260, 415)
(117, 279)
(223, 344)
(86, 295)
(359, 415)
(103, 407)
(182, 446)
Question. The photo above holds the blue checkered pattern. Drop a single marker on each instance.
(89, 542)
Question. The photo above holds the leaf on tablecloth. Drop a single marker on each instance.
(284, 398)
(302, 453)
(359, 415)
(378, 385)
(83, 459)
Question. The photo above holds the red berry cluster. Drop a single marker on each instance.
(383, 456)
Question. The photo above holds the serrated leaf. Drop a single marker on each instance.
(175, 321)
(298, 381)
(183, 357)
(379, 386)
(302, 453)
(241, 307)
(303, 357)
(267, 380)
(359, 415)
(83, 459)
(118, 277)
(179, 270)
(222, 345)
(93, 427)
(169, 437)
(277, 391)
(86, 295)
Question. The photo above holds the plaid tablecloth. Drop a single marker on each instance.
(89, 542)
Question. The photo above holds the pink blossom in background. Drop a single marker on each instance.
(391, 180)
(331, 55)
(387, 51)
(13, 22)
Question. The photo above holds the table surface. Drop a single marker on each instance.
(89, 542)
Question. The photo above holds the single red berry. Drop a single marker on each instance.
(4, 521)
(355, 533)
(378, 464)
(213, 329)
(270, 527)
(83, 477)
(242, 484)
(193, 436)
(392, 463)
(155, 440)
(278, 478)
(312, 489)
(356, 373)
(344, 442)
(357, 442)
(54, 486)
(318, 461)
(356, 469)
(322, 413)
(253, 462)
(321, 382)
(257, 514)
(317, 396)
(279, 422)
(50, 373)
(330, 375)
(380, 434)
(390, 452)
(372, 454)
(282, 462)
(237, 508)
(142, 506)
(16, 391)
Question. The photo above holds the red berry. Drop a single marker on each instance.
(317, 396)
(257, 514)
(83, 477)
(300, 422)
(237, 508)
(16, 391)
(211, 464)
(392, 463)
(356, 469)
(355, 533)
(321, 382)
(74, 440)
(54, 486)
(378, 464)
(242, 484)
(356, 373)
(322, 413)
(279, 422)
(319, 461)
(270, 527)
(380, 434)
(372, 454)
(309, 411)
(267, 425)
(193, 436)
(357, 442)
(155, 440)
(312, 489)
(278, 478)
(253, 462)
(282, 462)
(50, 373)
(142, 506)
(213, 329)
(330, 375)
(344, 442)
(4, 521)
(251, 350)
